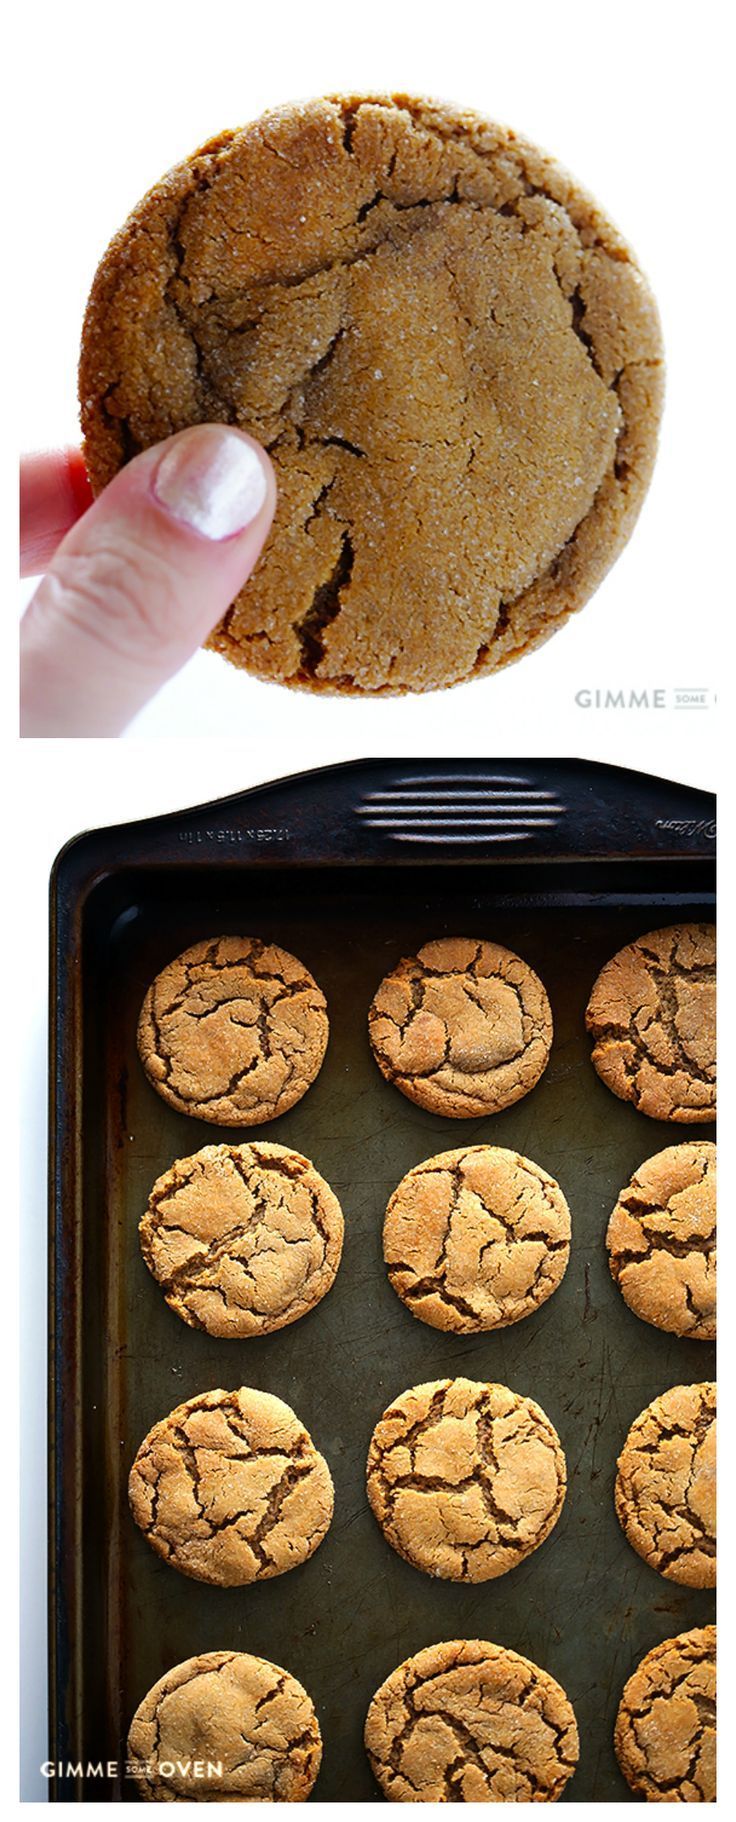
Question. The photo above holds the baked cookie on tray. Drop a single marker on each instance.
(652, 1015)
(243, 1239)
(476, 1239)
(462, 1028)
(665, 1493)
(226, 1710)
(465, 1479)
(233, 1031)
(229, 1488)
(661, 1241)
(449, 351)
(470, 1722)
(665, 1735)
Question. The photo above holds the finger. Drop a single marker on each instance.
(54, 492)
(141, 579)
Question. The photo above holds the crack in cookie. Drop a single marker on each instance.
(476, 1239)
(234, 1031)
(465, 1479)
(661, 1241)
(652, 1014)
(449, 352)
(469, 1722)
(243, 1239)
(229, 1488)
(463, 1028)
(238, 1713)
(665, 1735)
(665, 1493)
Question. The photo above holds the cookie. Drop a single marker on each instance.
(449, 352)
(229, 1488)
(243, 1239)
(665, 1735)
(463, 1028)
(465, 1479)
(233, 1031)
(468, 1722)
(652, 1014)
(248, 1725)
(661, 1241)
(476, 1239)
(665, 1490)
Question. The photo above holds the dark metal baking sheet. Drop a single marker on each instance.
(317, 865)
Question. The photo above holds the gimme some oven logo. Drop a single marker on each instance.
(197, 1770)
(659, 698)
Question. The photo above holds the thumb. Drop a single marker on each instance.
(138, 583)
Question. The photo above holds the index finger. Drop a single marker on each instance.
(54, 492)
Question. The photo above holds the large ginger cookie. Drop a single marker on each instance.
(652, 1014)
(243, 1239)
(665, 1735)
(665, 1491)
(229, 1488)
(448, 350)
(233, 1031)
(469, 1722)
(662, 1241)
(465, 1479)
(463, 1028)
(476, 1239)
(230, 1711)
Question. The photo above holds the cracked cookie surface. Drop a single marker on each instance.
(665, 1492)
(652, 1013)
(465, 1479)
(448, 350)
(463, 1028)
(233, 1031)
(661, 1241)
(229, 1488)
(665, 1736)
(476, 1239)
(243, 1239)
(232, 1710)
(469, 1722)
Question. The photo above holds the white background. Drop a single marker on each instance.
(632, 97)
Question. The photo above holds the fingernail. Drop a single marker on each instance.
(212, 480)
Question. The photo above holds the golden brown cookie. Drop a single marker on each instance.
(662, 1241)
(476, 1239)
(665, 1734)
(243, 1239)
(469, 1722)
(665, 1490)
(448, 350)
(465, 1479)
(463, 1028)
(249, 1725)
(233, 1031)
(229, 1488)
(652, 1014)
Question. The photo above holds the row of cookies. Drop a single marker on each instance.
(465, 1478)
(245, 1239)
(462, 1721)
(235, 1030)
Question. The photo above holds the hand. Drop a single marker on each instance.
(136, 579)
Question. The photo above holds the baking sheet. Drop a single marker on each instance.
(584, 1606)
